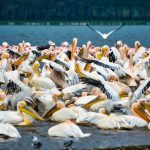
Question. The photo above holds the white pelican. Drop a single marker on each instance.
(115, 121)
(48, 97)
(67, 129)
(74, 88)
(5, 44)
(87, 101)
(90, 117)
(141, 109)
(60, 113)
(104, 35)
(114, 54)
(39, 82)
(59, 75)
(138, 93)
(148, 126)
(97, 80)
(122, 89)
(4, 64)
(97, 106)
(11, 75)
(136, 121)
(139, 52)
(18, 117)
(106, 73)
(9, 130)
(64, 114)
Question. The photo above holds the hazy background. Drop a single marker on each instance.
(38, 21)
(66, 11)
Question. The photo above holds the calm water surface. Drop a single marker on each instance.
(100, 139)
(39, 35)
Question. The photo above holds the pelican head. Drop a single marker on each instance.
(56, 94)
(58, 106)
(27, 44)
(141, 109)
(3, 100)
(36, 65)
(2, 105)
(35, 69)
(65, 44)
(125, 47)
(89, 43)
(119, 44)
(5, 55)
(51, 43)
(137, 45)
(83, 46)
(98, 55)
(30, 74)
(22, 107)
(5, 44)
(2, 95)
(105, 50)
(124, 51)
(75, 40)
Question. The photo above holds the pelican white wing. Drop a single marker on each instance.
(9, 130)
(67, 129)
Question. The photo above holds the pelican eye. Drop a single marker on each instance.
(22, 104)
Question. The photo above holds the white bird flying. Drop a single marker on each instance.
(105, 35)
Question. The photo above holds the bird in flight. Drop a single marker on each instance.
(104, 35)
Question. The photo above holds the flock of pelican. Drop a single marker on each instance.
(103, 86)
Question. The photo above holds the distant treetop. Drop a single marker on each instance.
(74, 10)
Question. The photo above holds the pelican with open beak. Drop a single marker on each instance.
(18, 117)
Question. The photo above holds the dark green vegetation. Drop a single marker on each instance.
(75, 10)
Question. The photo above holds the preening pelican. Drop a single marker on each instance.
(18, 117)
(104, 35)
(9, 130)
(39, 82)
(60, 113)
(67, 129)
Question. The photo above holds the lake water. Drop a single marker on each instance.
(39, 35)
(100, 139)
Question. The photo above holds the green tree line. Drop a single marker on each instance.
(74, 10)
